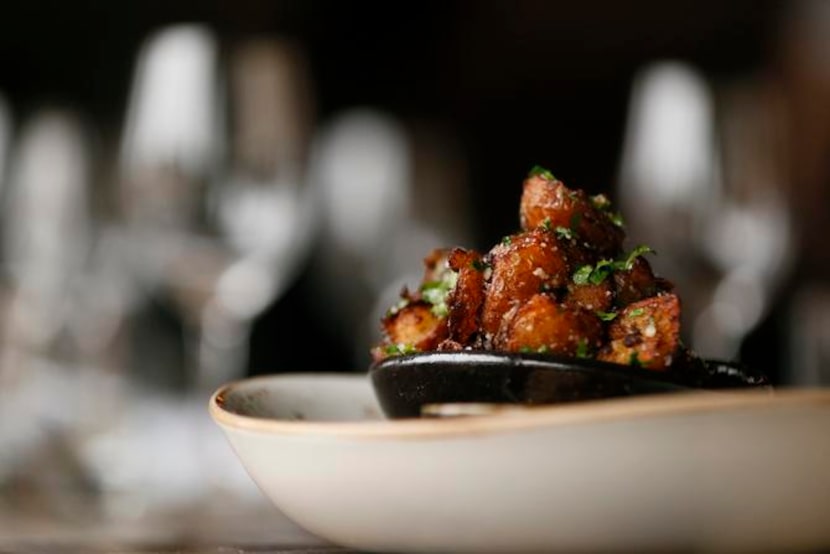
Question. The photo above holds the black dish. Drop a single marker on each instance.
(403, 384)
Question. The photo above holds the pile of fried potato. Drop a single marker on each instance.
(562, 285)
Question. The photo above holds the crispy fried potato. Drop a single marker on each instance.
(635, 284)
(414, 326)
(562, 285)
(543, 325)
(646, 333)
(529, 263)
(449, 345)
(466, 299)
(435, 264)
(551, 204)
(589, 296)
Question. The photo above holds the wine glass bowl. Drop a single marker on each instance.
(703, 181)
(213, 188)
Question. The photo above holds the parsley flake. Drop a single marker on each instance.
(603, 204)
(616, 218)
(564, 233)
(600, 202)
(596, 274)
(628, 262)
(401, 304)
(582, 274)
(437, 292)
(539, 171)
(582, 350)
(602, 270)
(400, 349)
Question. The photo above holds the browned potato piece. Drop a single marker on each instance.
(646, 333)
(450, 345)
(551, 204)
(589, 296)
(543, 325)
(465, 300)
(562, 284)
(635, 284)
(413, 327)
(435, 264)
(529, 263)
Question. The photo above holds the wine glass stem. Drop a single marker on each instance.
(220, 350)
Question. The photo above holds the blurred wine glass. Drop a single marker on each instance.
(802, 70)
(214, 184)
(703, 181)
(170, 152)
(669, 172)
(360, 168)
(261, 205)
(389, 194)
(47, 233)
(213, 222)
(747, 234)
(50, 386)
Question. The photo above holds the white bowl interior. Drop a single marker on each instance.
(303, 397)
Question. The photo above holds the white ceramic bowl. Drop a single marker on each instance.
(699, 471)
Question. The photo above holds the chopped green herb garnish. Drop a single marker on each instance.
(564, 233)
(400, 349)
(539, 171)
(440, 310)
(634, 359)
(605, 316)
(600, 202)
(582, 274)
(479, 265)
(593, 274)
(597, 274)
(401, 304)
(628, 262)
(636, 312)
(582, 349)
(546, 224)
(544, 349)
(602, 270)
(436, 292)
(616, 218)
(507, 240)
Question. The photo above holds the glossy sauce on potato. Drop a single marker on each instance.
(563, 284)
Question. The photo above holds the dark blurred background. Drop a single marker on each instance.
(515, 83)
